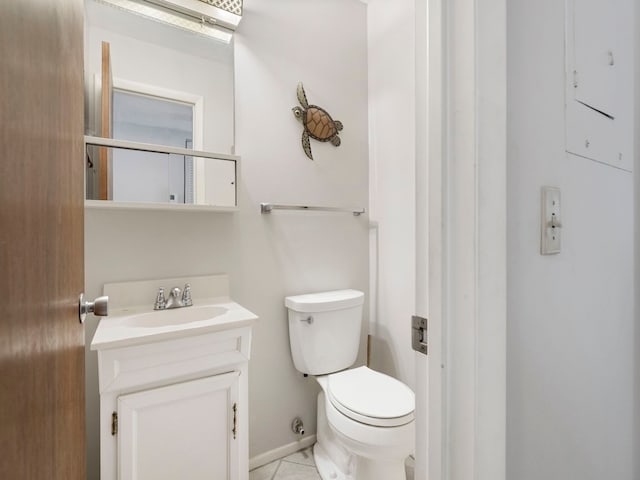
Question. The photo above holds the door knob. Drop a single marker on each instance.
(99, 307)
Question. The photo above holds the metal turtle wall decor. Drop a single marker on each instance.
(316, 123)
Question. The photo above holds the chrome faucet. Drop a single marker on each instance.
(161, 302)
(186, 295)
(175, 300)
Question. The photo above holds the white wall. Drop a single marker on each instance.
(323, 44)
(571, 348)
(636, 131)
(391, 47)
(279, 43)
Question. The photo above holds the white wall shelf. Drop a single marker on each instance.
(168, 207)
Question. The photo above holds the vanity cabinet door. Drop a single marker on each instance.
(185, 430)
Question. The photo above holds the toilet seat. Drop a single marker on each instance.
(371, 397)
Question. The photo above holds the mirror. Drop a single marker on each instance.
(172, 90)
(175, 177)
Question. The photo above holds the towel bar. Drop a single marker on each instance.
(269, 207)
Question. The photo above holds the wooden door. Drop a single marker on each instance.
(42, 406)
(105, 158)
(186, 430)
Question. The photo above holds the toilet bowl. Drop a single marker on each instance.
(365, 427)
(373, 435)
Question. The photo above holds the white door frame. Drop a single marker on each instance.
(430, 110)
(461, 254)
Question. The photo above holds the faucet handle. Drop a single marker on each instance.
(161, 301)
(186, 295)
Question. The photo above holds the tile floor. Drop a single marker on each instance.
(299, 466)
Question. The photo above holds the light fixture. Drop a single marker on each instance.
(212, 18)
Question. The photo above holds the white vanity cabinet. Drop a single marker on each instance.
(175, 408)
(174, 384)
(184, 430)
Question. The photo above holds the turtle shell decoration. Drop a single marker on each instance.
(316, 122)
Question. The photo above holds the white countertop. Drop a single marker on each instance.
(141, 324)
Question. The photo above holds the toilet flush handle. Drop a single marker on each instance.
(309, 319)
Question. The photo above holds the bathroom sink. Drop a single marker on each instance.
(176, 316)
(138, 325)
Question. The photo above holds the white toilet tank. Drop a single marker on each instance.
(324, 330)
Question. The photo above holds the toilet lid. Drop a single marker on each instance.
(371, 397)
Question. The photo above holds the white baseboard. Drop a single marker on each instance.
(276, 453)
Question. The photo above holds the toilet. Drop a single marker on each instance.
(365, 427)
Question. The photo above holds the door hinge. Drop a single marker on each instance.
(114, 423)
(235, 420)
(575, 79)
(419, 334)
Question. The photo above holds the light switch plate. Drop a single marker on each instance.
(551, 225)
